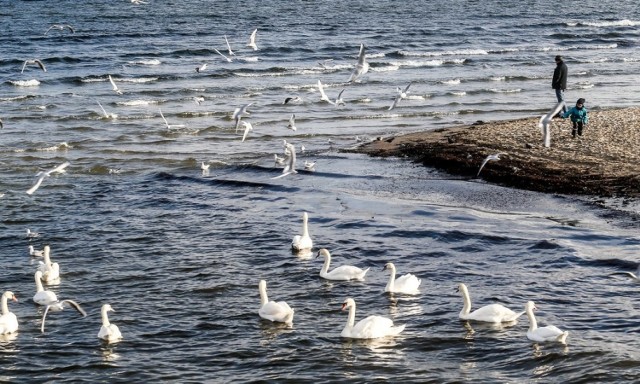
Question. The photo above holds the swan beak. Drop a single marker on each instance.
(15, 298)
(344, 305)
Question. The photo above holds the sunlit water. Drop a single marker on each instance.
(178, 254)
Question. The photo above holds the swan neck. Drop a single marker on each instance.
(466, 308)
(5, 308)
(352, 315)
(533, 324)
(392, 279)
(305, 227)
(105, 317)
(47, 259)
(39, 287)
(325, 266)
(263, 295)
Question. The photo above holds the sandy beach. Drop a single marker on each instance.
(604, 161)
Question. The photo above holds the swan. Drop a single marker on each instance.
(492, 313)
(371, 327)
(8, 320)
(343, 272)
(304, 242)
(542, 334)
(108, 332)
(274, 311)
(404, 284)
(50, 271)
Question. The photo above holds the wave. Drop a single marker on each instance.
(462, 52)
(145, 62)
(17, 98)
(495, 90)
(25, 83)
(58, 147)
(124, 79)
(451, 82)
(607, 23)
(133, 103)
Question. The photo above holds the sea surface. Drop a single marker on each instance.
(178, 252)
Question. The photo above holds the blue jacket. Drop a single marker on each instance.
(577, 115)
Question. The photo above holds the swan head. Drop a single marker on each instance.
(348, 303)
(389, 266)
(530, 306)
(10, 295)
(38, 275)
(324, 253)
(262, 285)
(462, 288)
(107, 307)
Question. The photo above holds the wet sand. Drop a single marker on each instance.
(604, 161)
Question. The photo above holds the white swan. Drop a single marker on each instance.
(50, 271)
(108, 332)
(302, 242)
(404, 284)
(274, 311)
(341, 273)
(542, 334)
(8, 320)
(492, 313)
(371, 327)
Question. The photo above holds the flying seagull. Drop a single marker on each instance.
(61, 27)
(290, 161)
(323, 96)
(34, 61)
(115, 87)
(107, 115)
(494, 157)
(292, 123)
(545, 123)
(401, 94)
(339, 99)
(201, 68)
(361, 66)
(228, 46)
(59, 306)
(238, 113)
(42, 174)
(225, 57)
(294, 99)
(252, 40)
(247, 127)
(167, 123)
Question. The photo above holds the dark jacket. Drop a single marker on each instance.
(577, 115)
(560, 76)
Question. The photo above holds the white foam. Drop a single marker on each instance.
(614, 23)
(134, 103)
(451, 82)
(459, 93)
(516, 90)
(25, 83)
(145, 62)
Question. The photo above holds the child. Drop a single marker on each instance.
(579, 117)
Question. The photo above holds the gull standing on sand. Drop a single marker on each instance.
(115, 87)
(401, 94)
(42, 174)
(225, 57)
(228, 46)
(252, 40)
(323, 96)
(362, 66)
(494, 157)
(61, 27)
(238, 113)
(34, 61)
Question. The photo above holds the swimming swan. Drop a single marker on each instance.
(108, 332)
(8, 320)
(542, 334)
(404, 284)
(274, 311)
(492, 313)
(371, 327)
(341, 273)
(50, 271)
(304, 242)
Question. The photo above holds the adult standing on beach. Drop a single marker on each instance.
(559, 81)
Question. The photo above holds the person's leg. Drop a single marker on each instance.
(573, 132)
(580, 128)
(560, 97)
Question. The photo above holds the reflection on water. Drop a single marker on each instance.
(108, 353)
(6, 343)
(271, 330)
(383, 350)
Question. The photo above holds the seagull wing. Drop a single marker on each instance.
(70, 28)
(24, 65)
(395, 102)
(41, 65)
(37, 184)
(50, 28)
(103, 111)
(165, 120)
(228, 46)
(323, 96)
(406, 88)
(252, 40)
(247, 128)
(115, 87)
(220, 53)
(44, 316)
(59, 169)
(292, 122)
(361, 66)
(75, 306)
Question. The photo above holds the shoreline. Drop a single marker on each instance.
(604, 162)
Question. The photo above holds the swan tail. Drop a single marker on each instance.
(562, 338)
(514, 317)
(396, 330)
(361, 277)
(289, 318)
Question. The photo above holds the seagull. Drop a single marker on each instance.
(247, 127)
(292, 123)
(198, 99)
(59, 169)
(489, 158)
(229, 47)
(107, 115)
(634, 276)
(362, 66)
(114, 171)
(290, 161)
(294, 99)
(225, 57)
(339, 99)
(252, 40)
(309, 166)
(545, 123)
(32, 235)
(34, 61)
(60, 27)
(35, 253)
(323, 63)
(115, 87)
(302, 148)
(323, 96)
(201, 68)
(279, 160)
(238, 112)
(167, 123)
(401, 94)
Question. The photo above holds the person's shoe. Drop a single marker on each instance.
(573, 133)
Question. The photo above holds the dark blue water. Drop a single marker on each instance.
(178, 254)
